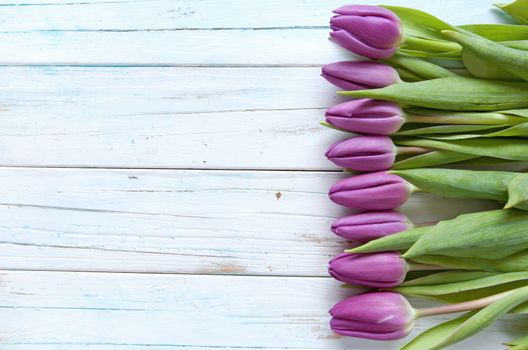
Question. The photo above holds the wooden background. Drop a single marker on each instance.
(163, 184)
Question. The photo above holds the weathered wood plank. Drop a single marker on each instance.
(170, 48)
(47, 310)
(165, 117)
(208, 14)
(205, 222)
(186, 32)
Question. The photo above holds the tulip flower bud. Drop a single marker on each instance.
(363, 153)
(369, 31)
(372, 191)
(366, 116)
(374, 315)
(359, 75)
(378, 270)
(389, 316)
(368, 226)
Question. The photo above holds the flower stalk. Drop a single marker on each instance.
(465, 306)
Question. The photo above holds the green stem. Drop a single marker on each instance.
(435, 45)
(412, 266)
(465, 306)
(491, 118)
(412, 150)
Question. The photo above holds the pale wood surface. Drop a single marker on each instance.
(163, 178)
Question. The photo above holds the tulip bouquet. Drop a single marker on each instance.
(409, 115)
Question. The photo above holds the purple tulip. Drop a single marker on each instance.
(372, 191)
(360, 75)
(378, 270)
(369, 31)
(374, 315)
(367, 226)
(366, 116)
(363, 153)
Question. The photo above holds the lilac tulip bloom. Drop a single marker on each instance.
(369, 31)
(363, 153)
(366, 116)
(360, 75)
(364, 227)
(374, 315)
(372, 191)
(378, 270)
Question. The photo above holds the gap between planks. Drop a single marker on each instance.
(92, 167)
(159, 65)
(165, 273)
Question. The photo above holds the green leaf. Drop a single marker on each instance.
(504, 148)
(474, 294)
(484, 317)
(488, 235)
(420, 53)
(396, 241)
(432, 158)
(435, 335)
(448, 132)
(517, 112)
(456, 262)
(518, 192)
(433, 116)
(498, 32)
(440, 130)
(418, 67)
(483, 68)
(488, 162)
(519, 343)
(447, 277)
(459, 183)
(517, 9)
(453, 93)
(512, 263)
(520, 130)
(463, 286)
(513, 60)
(418, 23)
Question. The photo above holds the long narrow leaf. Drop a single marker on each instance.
(488, 235)
(446, 129)
(453, 93)
(457, 183)
(484, 317)
(447, 277)
(504, 148)
(433, 158)
(397, 241)
(435, 335)
(513, 60)
(519, 343)
(517, 9)
(518, 192)
(498, 32)
(462, 286)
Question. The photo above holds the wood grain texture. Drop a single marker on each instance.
(97, 254)
(98, 15)
(186, 32)
(249, 118)
(109, 311)
(205, 222)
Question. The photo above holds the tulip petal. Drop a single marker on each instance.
(372, 191)
(367, 226)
